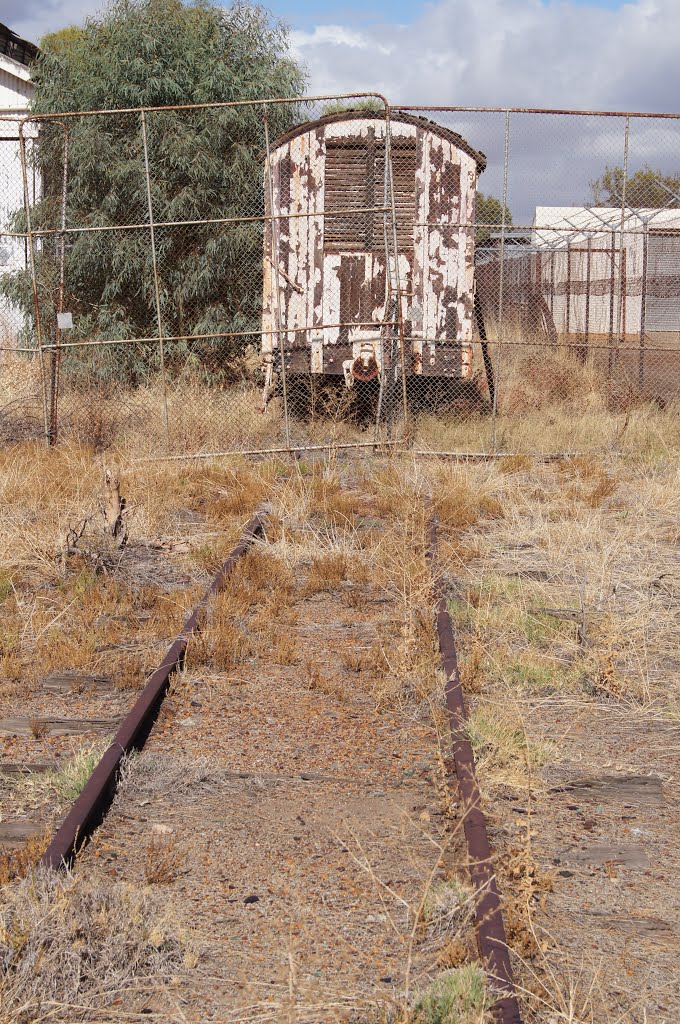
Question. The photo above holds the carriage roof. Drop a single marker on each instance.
(379, 115)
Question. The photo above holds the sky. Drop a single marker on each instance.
(576, 53)
(584, 54)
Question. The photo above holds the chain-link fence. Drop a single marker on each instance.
(281, 274)
(577, 273)
(21, 397)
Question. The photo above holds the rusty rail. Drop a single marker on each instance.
(491, 937)
(89, 809)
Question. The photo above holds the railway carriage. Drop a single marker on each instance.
(369, 260)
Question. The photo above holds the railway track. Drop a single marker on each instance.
(307, 834)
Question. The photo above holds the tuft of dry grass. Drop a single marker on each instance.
(73, 947)
(515, 464)
(286, 651)
(505, 755)
(163, 861)
(327, 572)
(20, 862)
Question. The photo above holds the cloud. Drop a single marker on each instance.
(32, 19)
(336, 35)
(523, 53)
(519, 52)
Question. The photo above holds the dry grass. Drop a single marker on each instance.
(458, 505)
(163, 860)
(86, 950)
(589, 536)
(104, 609)
(504, 754)
(327, 572)
(59, 785)
(20, 862)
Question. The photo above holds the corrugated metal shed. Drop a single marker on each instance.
(587, 259)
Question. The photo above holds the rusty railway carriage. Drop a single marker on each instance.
(336, 299)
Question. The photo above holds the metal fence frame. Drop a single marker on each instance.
(50, 352)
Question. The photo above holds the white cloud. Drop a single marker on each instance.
(518, 52)
(337, 35)
(32, 19)
(524, 53)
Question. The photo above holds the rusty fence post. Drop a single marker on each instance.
(277, 284)
(397, 279)
(643, 304)
(157, 294)
(612, 297)
(622, 251)
(501, 284)
(56, 355)
(586, 339)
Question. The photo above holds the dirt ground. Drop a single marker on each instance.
(288, 830)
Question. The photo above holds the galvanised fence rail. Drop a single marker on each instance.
(336, 271)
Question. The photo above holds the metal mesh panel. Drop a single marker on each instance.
(21, 377)
(576, 279)
(281, 274)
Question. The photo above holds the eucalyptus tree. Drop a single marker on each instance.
(646, 188)
(205, 175)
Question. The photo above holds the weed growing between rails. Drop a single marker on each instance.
(568, 630)
(84, 624)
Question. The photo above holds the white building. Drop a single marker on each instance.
(16, 91)
(595, 264)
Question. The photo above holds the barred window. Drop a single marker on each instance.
(355, 185)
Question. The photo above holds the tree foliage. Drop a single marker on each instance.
(204, 165)
(488, 211)
(645, 188)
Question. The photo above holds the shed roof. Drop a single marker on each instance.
(11, 45)
(558, 226)
(379, 115)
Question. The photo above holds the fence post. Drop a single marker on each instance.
(622, 251)
(159, 316)
(552, 283)
(34, 281)
(643, 304)
(568, 303)
(277, 286)
(56, 356)
(612, 287)
(583, 354)
(494, 407)
(397, 278)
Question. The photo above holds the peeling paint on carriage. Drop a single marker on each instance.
(371, 235)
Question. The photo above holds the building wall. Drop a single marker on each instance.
(16, 91)
(582, 301)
